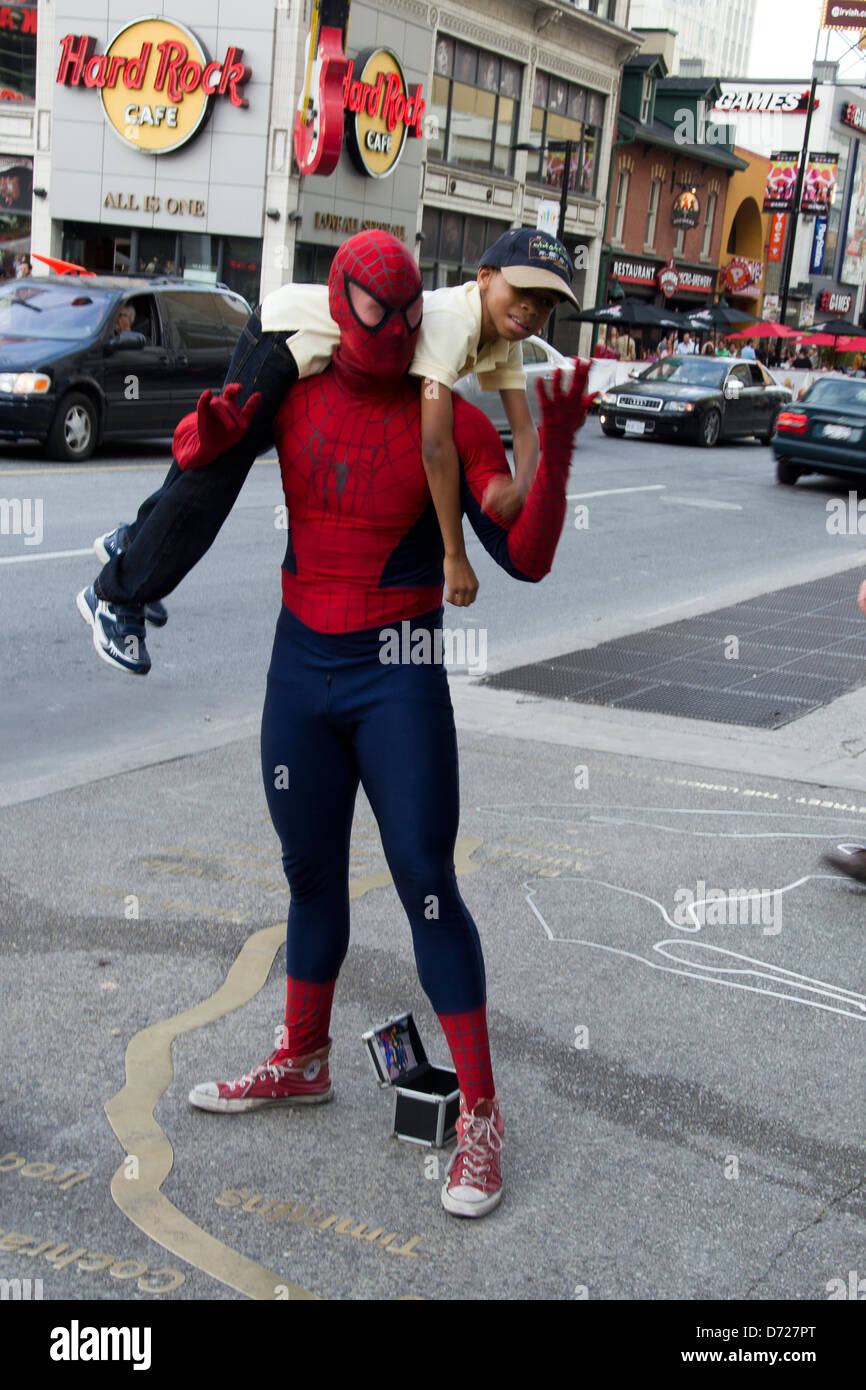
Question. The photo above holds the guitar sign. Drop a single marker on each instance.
(318, 135)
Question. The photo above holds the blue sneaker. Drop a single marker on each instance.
(113, 544)
(118, 633)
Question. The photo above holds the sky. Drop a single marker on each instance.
(783, 41)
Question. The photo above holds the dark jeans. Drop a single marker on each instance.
(178, 524)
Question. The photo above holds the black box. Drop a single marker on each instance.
(426, 1098)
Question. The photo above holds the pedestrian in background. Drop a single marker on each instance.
(606, 345)
(625, 347)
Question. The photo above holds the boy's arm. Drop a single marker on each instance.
(525, 548)
(505, 496)
(442, 467)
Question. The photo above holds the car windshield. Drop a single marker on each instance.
(51, 311)
(837, 391)
(687, 371)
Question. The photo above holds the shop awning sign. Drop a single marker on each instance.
(155, 81)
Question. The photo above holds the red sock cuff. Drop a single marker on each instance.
(470, 1051)
(308, 1015)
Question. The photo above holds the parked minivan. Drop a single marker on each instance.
(99, 358)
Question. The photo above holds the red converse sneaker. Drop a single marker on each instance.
(279, 1080)
(474, 1185)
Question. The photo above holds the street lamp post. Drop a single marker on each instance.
(795, 211)
(567, 146)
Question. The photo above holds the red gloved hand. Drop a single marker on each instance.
(219, 422)
(563, 412)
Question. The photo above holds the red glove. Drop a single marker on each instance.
(563, 413)
(219, 422)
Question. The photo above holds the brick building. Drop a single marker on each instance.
(669, 180)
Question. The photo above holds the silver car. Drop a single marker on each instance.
(539, 360)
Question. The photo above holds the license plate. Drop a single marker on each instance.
(634, 426)
(837, 432)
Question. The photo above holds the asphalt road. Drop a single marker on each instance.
(668, 530)
(683, 1094)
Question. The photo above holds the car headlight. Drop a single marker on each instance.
(680, 407)
(609, 398)
(24, 383)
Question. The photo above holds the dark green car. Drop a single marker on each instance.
(824, 432)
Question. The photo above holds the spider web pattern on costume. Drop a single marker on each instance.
(357, 495)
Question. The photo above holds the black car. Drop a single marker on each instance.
(824, 431)
(101, 358)
(697, 399)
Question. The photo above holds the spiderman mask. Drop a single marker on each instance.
(375, 299)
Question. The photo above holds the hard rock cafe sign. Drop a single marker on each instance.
(366, 99)
(155, 81)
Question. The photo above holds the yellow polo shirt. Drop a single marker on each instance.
(447, 346)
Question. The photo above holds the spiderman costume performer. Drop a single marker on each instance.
(364, 556)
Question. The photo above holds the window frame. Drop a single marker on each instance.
(590, 132)
(619, 207)
(709, 225)
(653, 212)
(451, 78)
(646, 100)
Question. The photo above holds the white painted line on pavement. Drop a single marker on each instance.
(609, 492)
(684, 603)
(48, 555)
(701, 502)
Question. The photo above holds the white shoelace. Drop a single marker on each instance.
(259, 1073)
(477, 1147)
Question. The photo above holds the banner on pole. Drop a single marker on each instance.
(781, 181)
(778, 223)
(819, 184)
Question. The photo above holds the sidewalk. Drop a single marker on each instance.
(681, 1079)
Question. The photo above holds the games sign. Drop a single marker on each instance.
(834, 302)
(155, 81)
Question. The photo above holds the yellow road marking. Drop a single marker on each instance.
(149, 1073)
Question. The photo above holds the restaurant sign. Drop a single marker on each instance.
(155, 81)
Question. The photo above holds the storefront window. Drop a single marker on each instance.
(837, 208)
(17, 53)
(312, 263)
(16, 196)
(156, 253)
(563, 112)
(241, 266)
(475, 104)
(453, 245)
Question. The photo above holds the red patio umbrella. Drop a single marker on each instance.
(818, 339)
(765, 329)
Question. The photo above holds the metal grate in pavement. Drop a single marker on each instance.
(798, 649)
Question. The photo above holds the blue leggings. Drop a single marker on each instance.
(335, 716)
